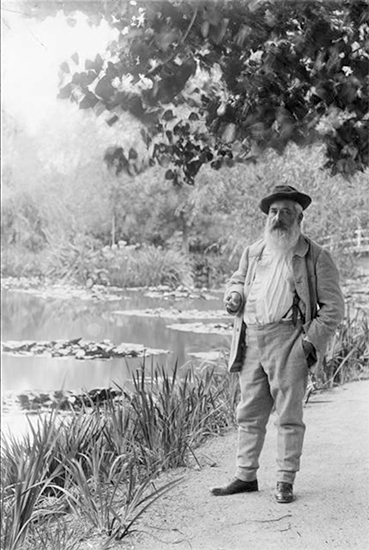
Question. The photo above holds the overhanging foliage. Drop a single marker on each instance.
(221, 81)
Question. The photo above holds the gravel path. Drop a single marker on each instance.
(331, 509)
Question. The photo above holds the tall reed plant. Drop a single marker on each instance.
(112, 496)
(26, 477)
(348, 356)
(175, 412)
(72, 463)
(56, 532)
(101, 463)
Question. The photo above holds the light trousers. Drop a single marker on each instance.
(274, 375)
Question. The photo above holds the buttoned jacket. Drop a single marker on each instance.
(316, 281)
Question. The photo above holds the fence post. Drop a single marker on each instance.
(358, 232)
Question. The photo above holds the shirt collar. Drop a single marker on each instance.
(301, 247)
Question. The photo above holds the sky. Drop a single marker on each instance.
(32, 52)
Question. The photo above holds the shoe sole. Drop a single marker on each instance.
(220, 493)
(285, 500)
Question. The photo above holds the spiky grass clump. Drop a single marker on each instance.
(173, 414)
(348, 356)
(27, 476)
(167, 415)
(102, 462)
(80, 474)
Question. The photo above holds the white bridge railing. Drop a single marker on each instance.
(357, 245)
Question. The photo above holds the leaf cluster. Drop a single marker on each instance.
(234, 78)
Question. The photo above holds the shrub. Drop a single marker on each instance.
(148, 266)
(18, 261)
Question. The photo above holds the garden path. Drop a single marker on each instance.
(332, 490)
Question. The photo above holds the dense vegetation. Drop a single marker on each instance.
(59, 211)
(61, 205)
(280, 86)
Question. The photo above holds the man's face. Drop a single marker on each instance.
(283, 226)
(282, 217)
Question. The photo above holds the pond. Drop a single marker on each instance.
(26, 316)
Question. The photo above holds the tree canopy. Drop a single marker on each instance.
(219, 82)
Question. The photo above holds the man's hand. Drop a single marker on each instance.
(310, 352)
(233, 302)
(308, 347)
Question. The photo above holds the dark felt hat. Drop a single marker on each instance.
(284, 192)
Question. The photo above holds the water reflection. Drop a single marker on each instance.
(46, 374)
(28, 317)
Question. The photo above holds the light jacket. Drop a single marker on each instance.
(317, 285)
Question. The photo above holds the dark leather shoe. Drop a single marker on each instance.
(236, 486)
(284, 492)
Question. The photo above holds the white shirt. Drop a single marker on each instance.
(272, 289)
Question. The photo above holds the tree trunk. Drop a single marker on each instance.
(113, 230)
(185, 235)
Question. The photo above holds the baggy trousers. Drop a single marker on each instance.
(274, 374)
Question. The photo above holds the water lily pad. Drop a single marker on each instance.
(174, 313)
(79, 349)
(203, 328)
(64, 401)
(208, 356)
(179, 294)
(60, 291)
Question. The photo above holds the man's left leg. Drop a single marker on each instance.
(288, 373)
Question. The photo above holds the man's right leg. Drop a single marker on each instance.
(253, 412)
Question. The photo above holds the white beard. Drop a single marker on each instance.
(281, 241)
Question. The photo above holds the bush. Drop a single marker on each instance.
(18, 261)
(84, 262)
(80, 261)
(148, 266)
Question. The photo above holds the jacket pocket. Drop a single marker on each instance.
(235, 364)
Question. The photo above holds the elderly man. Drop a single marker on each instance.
(287, 303)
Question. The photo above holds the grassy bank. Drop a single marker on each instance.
(88, 263)
(100, 465)
(96, 469)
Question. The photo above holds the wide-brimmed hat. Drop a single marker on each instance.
(284, 192)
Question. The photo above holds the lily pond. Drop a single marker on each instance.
(66, 339)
